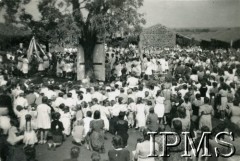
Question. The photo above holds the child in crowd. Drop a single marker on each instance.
(131, 112)
(86, 123)
(13, 139)
(21, 113)
(78, 132)
(79, 113)
(30, 139)
(95, 157)
(85, 108)
(5, 123)
(57, 132)
(66, 120)
(75, 151)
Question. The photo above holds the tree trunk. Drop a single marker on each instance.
(88, 48)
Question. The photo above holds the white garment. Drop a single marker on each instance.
(98, 96)
(87, 121)
(21, 102)
(140, 94)
(132, 82)
(5, 123)
(159, 108)
(149, 69)
(43, 116)
(140, 115)
(104, 113)
(87, 97)
(25, 66)
(71, 103)
(66, 120)
(58, 101)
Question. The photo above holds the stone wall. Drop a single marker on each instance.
(158, 36)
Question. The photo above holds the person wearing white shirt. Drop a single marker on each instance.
(16, 91)
(50, 94)
(2, 81)
(71, 103)
(44, 90)
(150, 67)
(83, 90)
(59, 100)
(118, 69)
(184, 90)
(88, 96)
(87, 121)
(140, 93)
(112, 95)
(21, 101)
(97, 94)
(132, 81)
(74, 93)
(114, 111)
(95, 106)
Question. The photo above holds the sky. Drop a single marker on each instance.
(182, 13)
(192, 13)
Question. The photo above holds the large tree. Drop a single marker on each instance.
(87, 21)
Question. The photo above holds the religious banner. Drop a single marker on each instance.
(34, 48)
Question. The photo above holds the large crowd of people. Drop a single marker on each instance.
(171, 89)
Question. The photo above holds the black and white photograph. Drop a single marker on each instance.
(119, 80)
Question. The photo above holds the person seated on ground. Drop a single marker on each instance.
(118, 153)
(75, 151)
(78, 132)
(95, 157)
(57, 132)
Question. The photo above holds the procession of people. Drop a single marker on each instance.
(148, 90)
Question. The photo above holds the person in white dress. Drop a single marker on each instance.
(87, 121)
(159, 108)
(43, 119)
(20, 101)
(30, 137)
(65, 118)
(150, 68)
(105, 114)
(40, 65)
(140, 114)
(25, 63)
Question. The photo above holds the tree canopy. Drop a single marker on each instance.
(77, 21)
